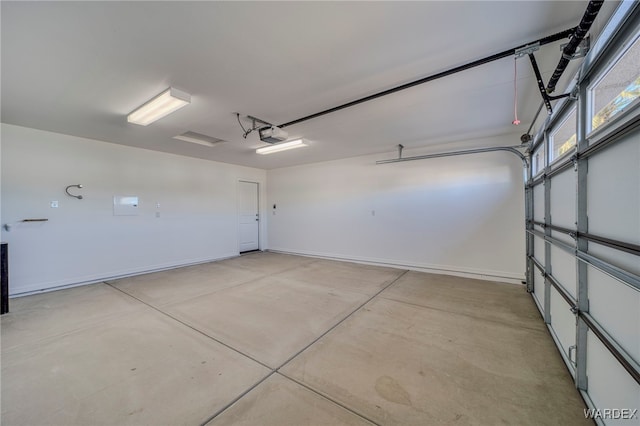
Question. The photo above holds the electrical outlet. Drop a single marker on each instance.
(157, 214)
(54, 204)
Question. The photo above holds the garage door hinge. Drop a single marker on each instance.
(572, 350)
(575, 92)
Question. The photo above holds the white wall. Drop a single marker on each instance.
(83, 241)
(459, 214)
(455, 215)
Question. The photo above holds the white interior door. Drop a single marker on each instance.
(248, 216)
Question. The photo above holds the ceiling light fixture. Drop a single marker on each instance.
(163, 104)
(297, 143)
(199, 138)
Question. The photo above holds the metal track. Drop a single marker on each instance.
(511, 149)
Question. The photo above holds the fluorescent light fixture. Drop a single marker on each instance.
(297, 143)
(163, 104)
(199, 138)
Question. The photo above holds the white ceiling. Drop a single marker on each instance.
(79, 68)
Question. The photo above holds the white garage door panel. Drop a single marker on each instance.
(621, 259)
(616, 307)
(563, 269)
(613, 192)
(563, 321)
(539, 249)
(538, 203)
(610, 386)
(563, 199)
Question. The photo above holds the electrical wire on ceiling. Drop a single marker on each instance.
(256, 124)
(246, 132)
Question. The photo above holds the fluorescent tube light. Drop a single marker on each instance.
(297, 143)
(163, 104)
(199, 138)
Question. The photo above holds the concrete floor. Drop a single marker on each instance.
(272, 339)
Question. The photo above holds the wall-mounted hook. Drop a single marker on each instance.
(79, 197)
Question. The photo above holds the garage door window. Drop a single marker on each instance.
(619, 87)
(563, 139)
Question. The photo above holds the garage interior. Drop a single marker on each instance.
(453, 240)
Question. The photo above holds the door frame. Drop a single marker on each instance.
(258, 187)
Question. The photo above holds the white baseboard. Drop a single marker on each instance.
(115, 275)
(487, 275)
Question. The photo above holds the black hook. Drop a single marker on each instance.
(79, 197)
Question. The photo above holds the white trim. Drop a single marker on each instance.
(260, 212)
(94, 279)
(486, 275)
